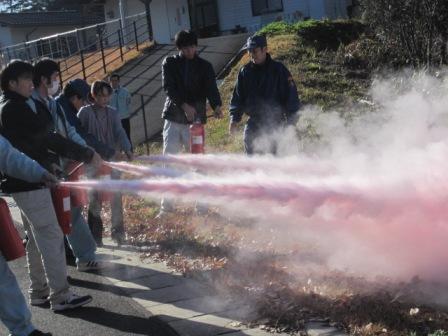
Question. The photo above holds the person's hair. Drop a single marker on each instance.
(115, 75)
(185, 38)
(44, 68)
(71, 89)
(13, 71)
(99, 86)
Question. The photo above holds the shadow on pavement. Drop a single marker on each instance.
(121, 322)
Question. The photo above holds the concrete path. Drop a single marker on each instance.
(143, 78)
(186, 305)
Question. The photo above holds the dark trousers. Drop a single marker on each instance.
(94, 215)
(257, 141)
(126, 123)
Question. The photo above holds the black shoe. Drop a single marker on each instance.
(39, 333)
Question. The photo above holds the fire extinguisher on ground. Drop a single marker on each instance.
(11, 246)
(61, 202)
(197, 137)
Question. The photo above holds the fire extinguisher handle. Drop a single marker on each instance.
(78, 166)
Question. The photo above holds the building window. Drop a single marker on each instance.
(260, 7)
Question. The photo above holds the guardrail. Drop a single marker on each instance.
(86, 52)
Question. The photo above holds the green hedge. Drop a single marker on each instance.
(320, 34)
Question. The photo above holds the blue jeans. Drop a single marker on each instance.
(14, 312)
(80, 239)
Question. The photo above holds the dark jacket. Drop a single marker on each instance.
(188, 81)
(33, 134)
(71, 115)
(266, 93)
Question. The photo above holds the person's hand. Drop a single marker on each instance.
(119, 156)
(190, 111)
(49, 179)
(233, 128)
(57, 170)
(130, 156)
(96, 161)
(218, 113)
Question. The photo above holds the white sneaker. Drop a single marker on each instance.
(72, 301)
(84, 266)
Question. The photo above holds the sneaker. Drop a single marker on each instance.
(89, 266)
(71, 302)
(39, 301)
(39, 333)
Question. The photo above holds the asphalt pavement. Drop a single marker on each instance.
(111, 313)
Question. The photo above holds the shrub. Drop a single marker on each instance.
(278, 28)
(328, 34)
(365, 52)
(321, 35)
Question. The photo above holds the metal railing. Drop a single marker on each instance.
(86, 52)
(111, 44)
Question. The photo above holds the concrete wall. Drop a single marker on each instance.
(168, 16)
(335, 9)
(159, 17)
(239, 12)
(112, 12)
(5, 37)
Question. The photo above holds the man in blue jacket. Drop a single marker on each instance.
(121, 101)
(266, 92)
(14, 312)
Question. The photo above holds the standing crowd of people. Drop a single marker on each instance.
(42, 134)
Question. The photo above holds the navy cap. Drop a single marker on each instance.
(256, 41)
(81, 87)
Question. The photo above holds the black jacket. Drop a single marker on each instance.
(71, 116)
(33, 134)
(188, 81)
(266, 93)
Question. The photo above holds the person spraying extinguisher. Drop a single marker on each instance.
(17, 320)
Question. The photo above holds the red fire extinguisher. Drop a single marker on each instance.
(103, 173)
(11, 245)
(197, 137)
(61, 203)
(76, 172)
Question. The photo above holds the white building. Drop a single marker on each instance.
(17, 28)
(217, 17)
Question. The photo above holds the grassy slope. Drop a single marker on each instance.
(319, 82)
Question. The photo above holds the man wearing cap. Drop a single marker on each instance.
(73, 97)
(266, 92)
